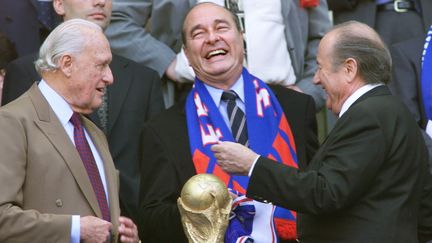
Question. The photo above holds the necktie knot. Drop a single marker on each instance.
(229, 96)
(76, 120)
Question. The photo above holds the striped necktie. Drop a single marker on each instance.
(236, 118)
(88, 160)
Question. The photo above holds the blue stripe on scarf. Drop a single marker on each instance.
(426, 79)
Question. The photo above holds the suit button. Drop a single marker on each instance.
(59, 203)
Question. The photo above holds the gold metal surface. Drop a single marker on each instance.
(204, 205)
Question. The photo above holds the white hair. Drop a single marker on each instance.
(67, 38)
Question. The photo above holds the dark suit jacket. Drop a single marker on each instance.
(406, 80)
(133, 98)
(406, 84)
(18, 20)
(365, 182)
(167, 162)
(366, 10)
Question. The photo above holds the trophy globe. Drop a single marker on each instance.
(204, 205)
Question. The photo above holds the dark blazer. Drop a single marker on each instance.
(366, 11)
(406, 80)
(18, 20)
(133, 98)
(167, 162)
(365, 182)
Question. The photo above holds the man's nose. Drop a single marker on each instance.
(108, 76)
(316, 79)
(212, 37)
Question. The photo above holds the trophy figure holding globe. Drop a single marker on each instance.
(204, 205)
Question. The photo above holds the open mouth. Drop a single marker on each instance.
(218, 52)
(102, 90)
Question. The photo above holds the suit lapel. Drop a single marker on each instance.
(118, 91)
(51, 127)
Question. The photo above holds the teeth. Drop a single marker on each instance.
(215, 52)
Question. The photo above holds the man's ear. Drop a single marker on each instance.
(66, 65)
(351, 68)
(59, 7)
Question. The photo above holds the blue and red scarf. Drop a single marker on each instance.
(269, 135)
(426, 78)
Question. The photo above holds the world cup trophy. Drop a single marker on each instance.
(204, 205)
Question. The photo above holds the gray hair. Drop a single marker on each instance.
(360, 42)
(67, 38)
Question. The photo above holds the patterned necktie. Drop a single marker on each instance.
(103, 112)
(236, 118)
(90, 165)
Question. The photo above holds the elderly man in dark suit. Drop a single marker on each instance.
(58, 179)
(365, 182)
(130, 101)
(226, 103)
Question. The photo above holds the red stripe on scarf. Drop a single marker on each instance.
(239, 188)
(284, 126)
(286, 228)
(283, 150)
(200, 161)
(217, 171)
(282, 147)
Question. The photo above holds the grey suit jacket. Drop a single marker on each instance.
(149, 32)
(42, 179)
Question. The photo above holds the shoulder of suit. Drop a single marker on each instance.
(286, 93)
(118, 60)
(25, 60)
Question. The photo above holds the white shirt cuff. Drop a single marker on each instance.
(429, 128)
(75, 229)
(253, 166)
(184, 72)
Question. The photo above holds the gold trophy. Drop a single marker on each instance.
(204, 205)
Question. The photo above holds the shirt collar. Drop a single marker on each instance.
(216, 93)
(61, 108)
(356, 95)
